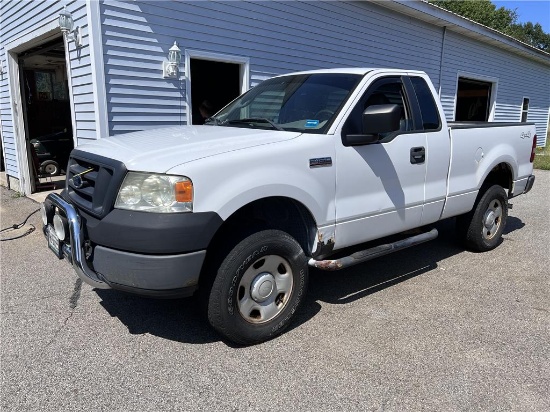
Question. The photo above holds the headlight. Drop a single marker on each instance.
(158, 193)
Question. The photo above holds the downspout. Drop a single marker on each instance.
(441, 61)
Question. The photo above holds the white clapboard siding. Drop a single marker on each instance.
(517, 78)
(19, 19)
(277, 37)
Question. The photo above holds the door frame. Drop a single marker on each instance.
(13, 49)
(244, 72)
(481, 78)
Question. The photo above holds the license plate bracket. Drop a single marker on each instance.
(54, 243)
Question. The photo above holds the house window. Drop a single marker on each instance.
(44, 89)
(524, 109)
(473, 102)
(47, 87)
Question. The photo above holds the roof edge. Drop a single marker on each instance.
(436, 15)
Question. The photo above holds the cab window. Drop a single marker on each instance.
(383, 91)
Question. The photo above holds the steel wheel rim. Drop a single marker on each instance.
(265, 289)
(492, 219)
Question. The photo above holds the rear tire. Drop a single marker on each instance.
(481, 229)
(258, 288)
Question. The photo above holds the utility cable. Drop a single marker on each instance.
(19, 226)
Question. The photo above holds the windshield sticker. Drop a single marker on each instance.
(312, 123)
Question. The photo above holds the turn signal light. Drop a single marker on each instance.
(184, 191)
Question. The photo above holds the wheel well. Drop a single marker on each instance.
(500, 175)
(279, 213)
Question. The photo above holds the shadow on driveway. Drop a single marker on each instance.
(181, 320)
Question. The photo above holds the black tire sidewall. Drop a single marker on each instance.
(474, 238)
(223, 312)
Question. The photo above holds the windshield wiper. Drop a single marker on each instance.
(255, 120)
(212, 119)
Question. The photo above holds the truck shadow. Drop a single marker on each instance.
(182, 321)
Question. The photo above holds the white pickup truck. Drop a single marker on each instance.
(285, 177)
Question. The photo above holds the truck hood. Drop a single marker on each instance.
(160, 150)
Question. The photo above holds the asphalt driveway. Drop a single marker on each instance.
(431, 328)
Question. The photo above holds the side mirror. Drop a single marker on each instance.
(381, 118)
(376, 119)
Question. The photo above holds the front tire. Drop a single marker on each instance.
(481, 229)
(258, 288)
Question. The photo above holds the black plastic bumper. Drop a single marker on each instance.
(173, 271)
(530, 183)
(152, 233)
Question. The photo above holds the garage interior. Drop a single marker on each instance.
(47, 113)
(473, 99)
(214, 83)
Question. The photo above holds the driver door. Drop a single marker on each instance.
(380, 186)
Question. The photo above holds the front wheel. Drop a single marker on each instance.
(481, 229)
(258, 288)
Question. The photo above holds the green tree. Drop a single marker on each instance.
(501, 19)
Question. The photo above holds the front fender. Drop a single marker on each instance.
(226, 183)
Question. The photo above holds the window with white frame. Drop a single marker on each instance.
(524, 109)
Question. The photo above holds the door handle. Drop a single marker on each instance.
(418, 155)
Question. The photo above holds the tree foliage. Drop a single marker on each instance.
(501, 19)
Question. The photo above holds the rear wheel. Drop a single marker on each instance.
(258, 288)
(482, 228)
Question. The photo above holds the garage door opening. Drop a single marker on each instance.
(47, 113)
(473, 102)
(213, 85)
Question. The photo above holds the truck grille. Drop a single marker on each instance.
(93, 182)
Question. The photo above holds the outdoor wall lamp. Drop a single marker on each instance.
(170, 68)
(66, 25)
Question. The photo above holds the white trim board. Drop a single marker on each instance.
(244, 63)
(95, 43)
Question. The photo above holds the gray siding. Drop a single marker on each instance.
(22, 18)
(6, 122)
(277, 37)
(517, 78)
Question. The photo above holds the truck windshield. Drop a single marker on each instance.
(306, 103)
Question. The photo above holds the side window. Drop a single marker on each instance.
(428, 108)
(383, 91)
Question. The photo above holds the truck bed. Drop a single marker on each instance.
(479, 125)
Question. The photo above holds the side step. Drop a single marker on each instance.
(374, 252)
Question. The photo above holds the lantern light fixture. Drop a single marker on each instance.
(66, 24)
(170, 69)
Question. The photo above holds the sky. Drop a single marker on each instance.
(535, 11)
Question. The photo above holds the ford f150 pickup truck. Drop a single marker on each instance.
(286, 177)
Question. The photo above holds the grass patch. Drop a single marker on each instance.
(542, 158)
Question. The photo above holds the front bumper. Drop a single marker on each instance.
(167, 275)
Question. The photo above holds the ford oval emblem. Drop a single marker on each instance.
(77, 182)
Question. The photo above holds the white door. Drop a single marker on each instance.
(380, 186)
